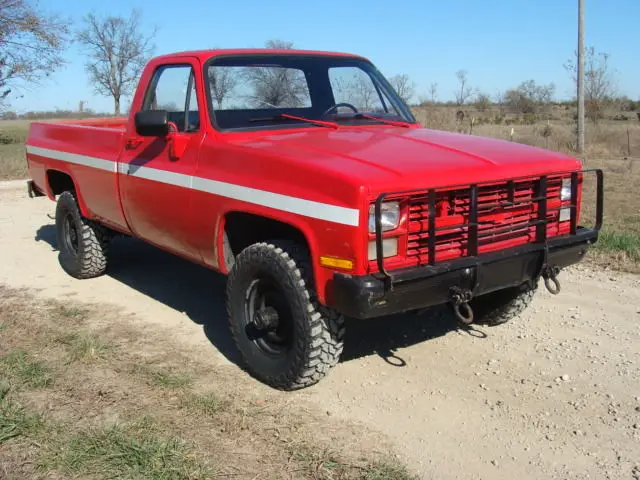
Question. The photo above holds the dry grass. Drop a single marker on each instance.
(14, 131)
(13, 165)
(607, 140)
(553, 129)
(13, 134)
(84, 394)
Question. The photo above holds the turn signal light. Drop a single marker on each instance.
(334, 262)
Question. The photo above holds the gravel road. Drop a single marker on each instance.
(554, 394)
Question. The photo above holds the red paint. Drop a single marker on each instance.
(345, 166)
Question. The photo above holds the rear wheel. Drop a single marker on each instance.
(285, 337)
(83, 244)
(499, 307)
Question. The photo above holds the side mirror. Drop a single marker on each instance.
(152, 123)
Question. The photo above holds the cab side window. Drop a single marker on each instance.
(173, 89)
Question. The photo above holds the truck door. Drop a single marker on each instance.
(154, 182)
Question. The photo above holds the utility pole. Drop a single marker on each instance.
(580, 76)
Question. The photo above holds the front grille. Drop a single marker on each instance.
(507, 216)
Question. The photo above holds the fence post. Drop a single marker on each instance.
(628, 143)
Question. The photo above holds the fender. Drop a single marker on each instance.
(64, 168)
(296, 222)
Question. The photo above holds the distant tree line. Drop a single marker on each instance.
(530, 98)
(42, 114)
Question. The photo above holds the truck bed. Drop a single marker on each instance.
(86, 150)
(118, 123)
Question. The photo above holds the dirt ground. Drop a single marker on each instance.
(555, 394)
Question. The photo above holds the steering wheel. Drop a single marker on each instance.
(338, 105)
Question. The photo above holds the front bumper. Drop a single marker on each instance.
(371, 296)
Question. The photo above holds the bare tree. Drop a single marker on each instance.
(222, 82)
(278, 44)
(31, 45)
(529, 97)
(363, 92)
(482, 101)
(498, 99)
(599, 82)
(358, 90)
(277, 86)
(117, 51)
(404, 87)
(463, 92)
(433, 92)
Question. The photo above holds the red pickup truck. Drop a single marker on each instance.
(304, 177)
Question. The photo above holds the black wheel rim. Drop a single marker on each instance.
(265, 295)
(70, 234)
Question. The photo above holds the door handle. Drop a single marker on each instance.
(133, 143)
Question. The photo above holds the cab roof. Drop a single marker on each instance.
(204, 55)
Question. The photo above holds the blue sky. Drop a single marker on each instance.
(499, 42)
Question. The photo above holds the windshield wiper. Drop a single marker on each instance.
(286, 116)
(382, 120)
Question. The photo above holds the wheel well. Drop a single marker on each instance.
(244, 229)
(59, 182)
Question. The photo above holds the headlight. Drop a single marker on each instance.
(389, 216)
(389, 248)
(565, 191)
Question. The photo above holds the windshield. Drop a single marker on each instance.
(248, 92)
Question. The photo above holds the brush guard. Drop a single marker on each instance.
(471, 225)
(459, 280)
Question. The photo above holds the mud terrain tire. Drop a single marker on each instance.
(83, 244)
(499, 307)
(274, 280)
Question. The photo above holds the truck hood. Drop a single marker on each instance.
(413, 157)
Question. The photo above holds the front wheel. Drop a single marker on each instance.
(285, 337)
(499, 307)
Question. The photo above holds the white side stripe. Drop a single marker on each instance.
(102, 164)
(162, 176)
(299, 206)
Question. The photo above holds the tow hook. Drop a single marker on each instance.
(460, 299)
(550, 275)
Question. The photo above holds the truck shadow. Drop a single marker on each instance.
(199, 293)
